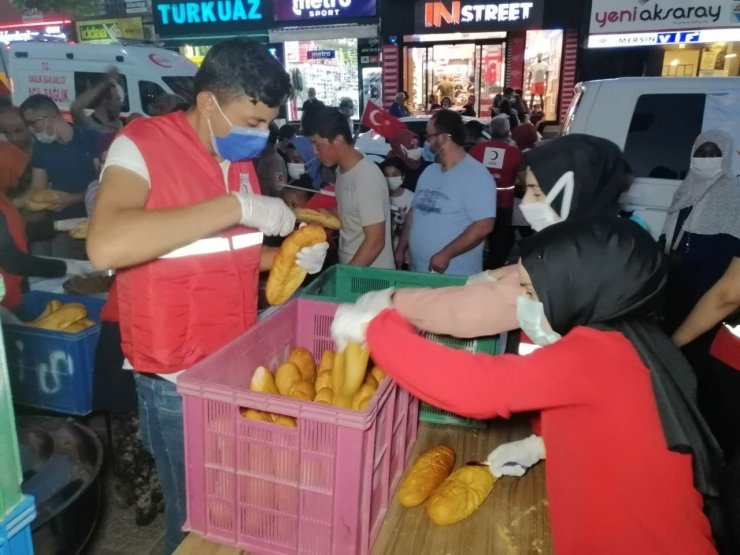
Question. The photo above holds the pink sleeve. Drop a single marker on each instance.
(480, 385)
(466, 311)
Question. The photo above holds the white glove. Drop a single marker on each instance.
(79, 267)
(268, 214)
(515, 458)
(486, 276)
(351, 320)
(312, 258)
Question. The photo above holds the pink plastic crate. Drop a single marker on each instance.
(321, 488)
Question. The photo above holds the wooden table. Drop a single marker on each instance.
(512, 521)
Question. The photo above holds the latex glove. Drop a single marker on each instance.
(79, 267)
(268, 214)
(312, 258)
(486, 276)
(351, 320)
(515, 458)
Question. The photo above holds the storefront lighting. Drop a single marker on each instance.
(682, 46)
(733, 55)
(674, 63)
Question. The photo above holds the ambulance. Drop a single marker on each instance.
(62, 71)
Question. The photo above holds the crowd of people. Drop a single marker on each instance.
(534, 228)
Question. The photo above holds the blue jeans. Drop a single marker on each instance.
(160, 415)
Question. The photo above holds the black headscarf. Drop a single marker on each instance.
(609, 274)
(598, 168)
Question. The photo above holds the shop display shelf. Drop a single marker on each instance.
(15, 528)
(345, 284)
(52, 370)
(322, 487)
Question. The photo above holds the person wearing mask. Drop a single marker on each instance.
(398, 109)
(702, 230)
(285, 135)
(446, 103)
(631, 464)
(180, 216)
(469, 108)
(347, 107)
(65, 157)
(525, 134)
(401, 198)
(302, 161)
(503, 161)
(406, 146)
(361, 190)
(720, 305)
(271, 169)
(506, 109)
(105, 99)
(454, 206)
(16, 265)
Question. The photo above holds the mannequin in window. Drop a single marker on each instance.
(539, 75)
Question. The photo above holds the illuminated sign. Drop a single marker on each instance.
(321, 54)
(23, 33)
(703, 36)
(110, 30)
(219, 17)
(301, 10)
(463, 15)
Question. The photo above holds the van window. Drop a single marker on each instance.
(181, 85)
(149, 92)
(662, 132)
(86, 79)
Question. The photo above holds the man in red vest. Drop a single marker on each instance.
(180, 215)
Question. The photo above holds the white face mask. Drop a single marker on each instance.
(394, 182)
(706, 167)
(531, 316)
(412, 153)
(295, 171)
(540, 214)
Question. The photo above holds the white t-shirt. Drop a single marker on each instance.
(362, 200)
(539, 72)
(124, 153)
(400, 207)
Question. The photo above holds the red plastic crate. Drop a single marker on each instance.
(321, 488)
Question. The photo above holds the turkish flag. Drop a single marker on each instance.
(381, 121)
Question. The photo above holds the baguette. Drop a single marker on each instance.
(303, 359)
(322, 217)
(460, 495)
(286, 276)
(42, 200)
(63, 317)
(80, 232)
(425, 475)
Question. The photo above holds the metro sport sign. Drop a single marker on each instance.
(465, 15)
(321, 10)
(620, 16)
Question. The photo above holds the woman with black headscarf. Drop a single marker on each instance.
(629, 456)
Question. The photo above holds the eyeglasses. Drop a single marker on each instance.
(430, 135)
(33, 122)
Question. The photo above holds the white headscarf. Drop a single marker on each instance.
(715, 201)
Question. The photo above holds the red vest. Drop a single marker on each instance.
(502, 160)
(726, 347)
(17, 229)
(178, 309)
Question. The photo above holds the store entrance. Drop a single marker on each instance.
(434, 72)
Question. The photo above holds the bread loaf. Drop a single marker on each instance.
(285, 276)
(363, 397)
(321, 216)
(327, 361)
(323, 380)
(325, 396)
(303, 359)
(425, 475)
(79, 325)
(42, 200)
(80, 232)
(303, 390)
(286, 377)
(63, 317)
(282, 420)
(460, 495)
(263, 381)
(251, 414)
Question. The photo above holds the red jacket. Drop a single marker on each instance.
(726, 347)
(178, 309)
(613, 486)
(502, 160)
(17, 229)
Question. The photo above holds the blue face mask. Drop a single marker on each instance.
(427, 153)
(242, 143)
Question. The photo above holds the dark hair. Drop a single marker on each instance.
(508, 91)
(272, 138)
(327, 123)
(240, 66)
(476, 129)
(519, 92)
(40, 103)
(450, 122)
(287, 131)
(393, 162)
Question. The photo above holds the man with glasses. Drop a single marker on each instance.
(65, 157)
(454, 205)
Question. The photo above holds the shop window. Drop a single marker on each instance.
(149, 92)
(662, 132)
(542, 60)
(87, 79)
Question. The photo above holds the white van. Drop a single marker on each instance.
(62, 71)
(655, 120)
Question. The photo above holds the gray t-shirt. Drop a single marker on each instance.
(362, 198)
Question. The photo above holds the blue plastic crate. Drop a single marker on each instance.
(52, 370)
(15, 528)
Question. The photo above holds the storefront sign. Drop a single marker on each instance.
(319, 10)
(137, 6)
(667, 38)
(369, 52)
(110, 30)
(619, 16)
(321, 54)
(38, 32)
(465, 15)
(220, 17)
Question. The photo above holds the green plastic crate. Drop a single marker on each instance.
(10, 476)
(344, 284)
